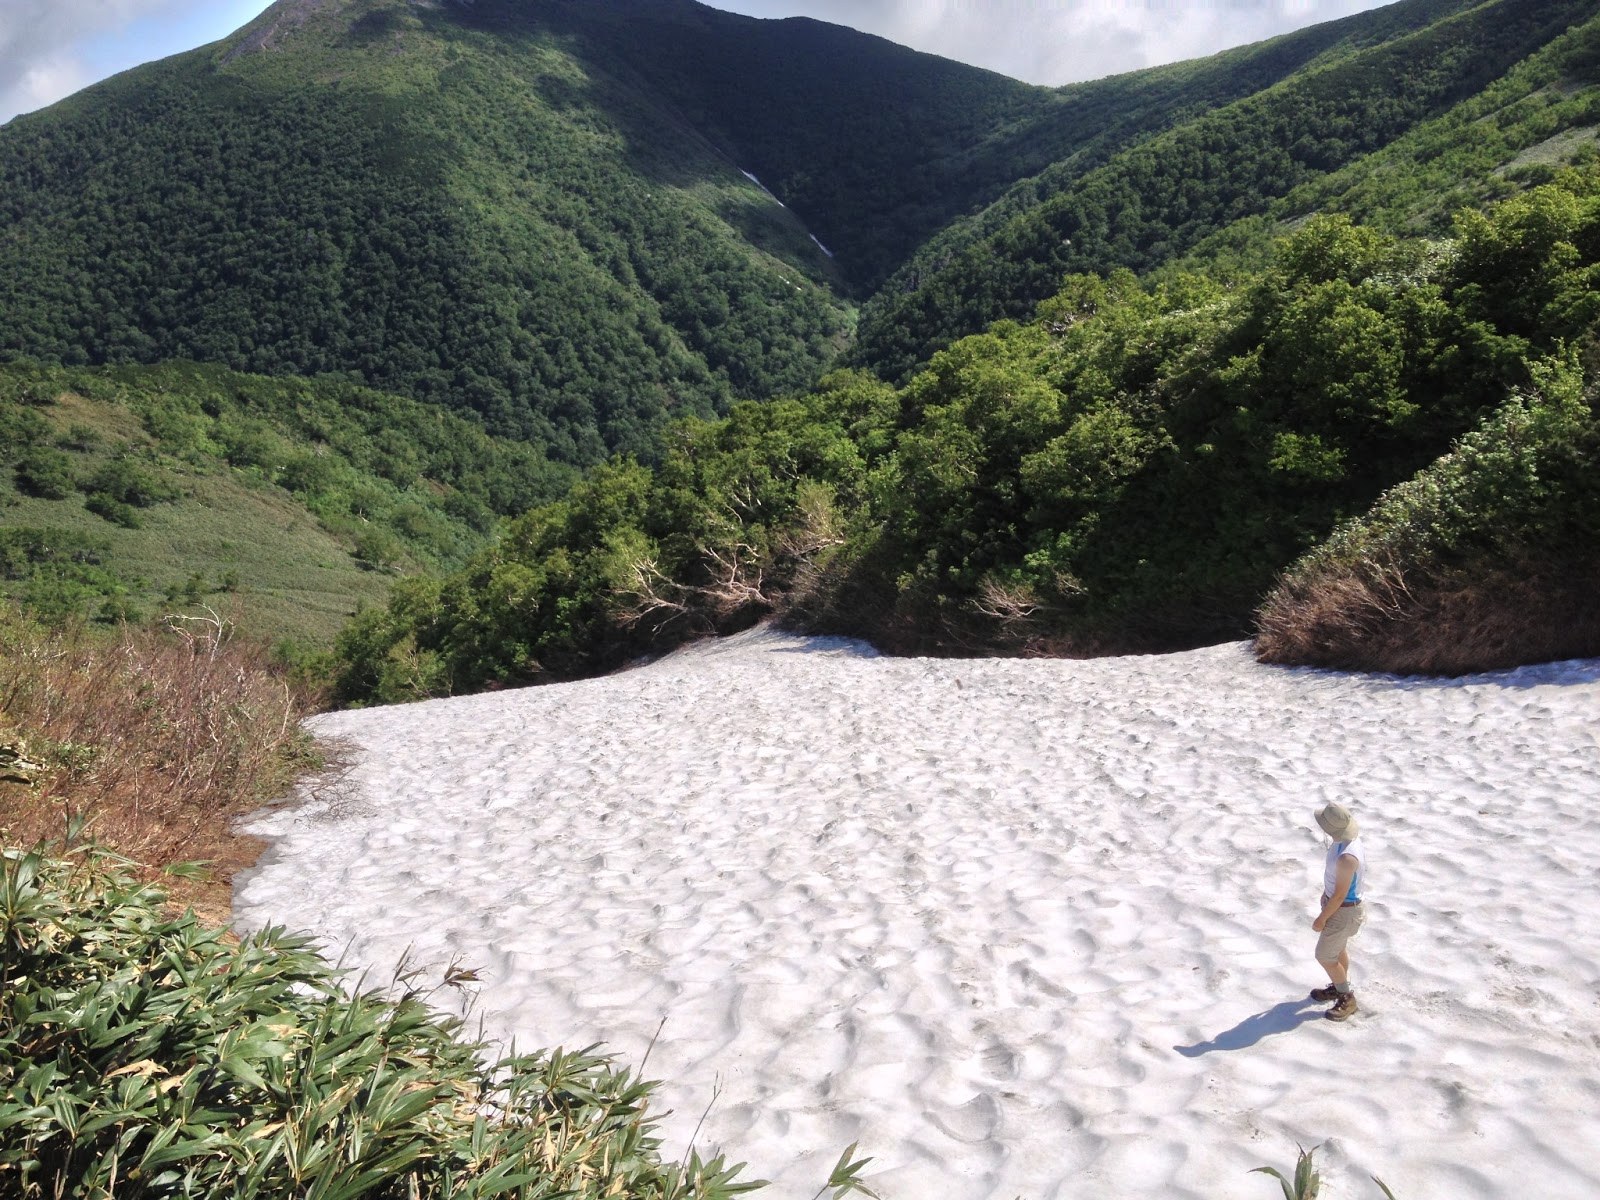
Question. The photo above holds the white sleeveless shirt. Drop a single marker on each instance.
(1330, 871)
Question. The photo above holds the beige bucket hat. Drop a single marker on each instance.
(1337, 823)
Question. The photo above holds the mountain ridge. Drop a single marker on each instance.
(598, 229)
(535, 212)
(1260, 148)
(365, 232)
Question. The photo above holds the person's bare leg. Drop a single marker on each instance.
(1339, 969)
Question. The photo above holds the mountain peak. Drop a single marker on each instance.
(278, 21)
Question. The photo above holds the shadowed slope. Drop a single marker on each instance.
(453, 215)
(538, 211)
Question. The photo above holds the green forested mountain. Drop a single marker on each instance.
(538, 210)
(502, 207)
(879, 147)
(1128, 350)
(1542, 114)
(473, 218)
(1161, 198)
(1132, 470)
(467, 338)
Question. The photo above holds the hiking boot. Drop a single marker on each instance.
(1325, 995)
(1344, 1008)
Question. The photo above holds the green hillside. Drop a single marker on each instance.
(1159, 200)
(132, 492)
(926, 139)
(492, 207)
(1280, 301)
(1541, 115)
(1130, 471)
(1120, 111)
(471, 218)
(538, 210)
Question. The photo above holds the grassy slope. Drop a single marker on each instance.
(295, 579)
(288, 490)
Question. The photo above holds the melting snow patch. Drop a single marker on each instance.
(763, 187)
(1012, 925)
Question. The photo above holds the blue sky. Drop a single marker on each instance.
(51, 48)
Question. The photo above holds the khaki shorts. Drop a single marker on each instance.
(1341, 927)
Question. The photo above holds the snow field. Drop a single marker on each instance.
(1032, 928)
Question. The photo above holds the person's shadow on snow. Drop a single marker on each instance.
(1280, 1018)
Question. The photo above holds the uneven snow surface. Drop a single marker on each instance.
(1020, 928)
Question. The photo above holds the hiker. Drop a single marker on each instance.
(1343, 912)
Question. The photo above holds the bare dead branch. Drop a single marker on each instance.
(208, 633)
(1010, 604)
(652, 593)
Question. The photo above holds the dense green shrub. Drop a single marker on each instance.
(103, 504)
(20, 427)
(60, 597)
(62, 573)
(23, 550)
(1488, 558)
(378, 548)
(122, 485)
(45, 473)
(1131, 470)
(80, 438)
(1526, 472)
(633, 559)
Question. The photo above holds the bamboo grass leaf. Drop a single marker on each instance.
(1307, 1182)
(246, 1071)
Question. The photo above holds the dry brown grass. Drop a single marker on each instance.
(160, 737)
(1384, 617)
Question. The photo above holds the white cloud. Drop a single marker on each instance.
(49, 48)
(42, 45)
(1060, 41)
(41, 82)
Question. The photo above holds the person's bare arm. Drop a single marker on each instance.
(1344, 872)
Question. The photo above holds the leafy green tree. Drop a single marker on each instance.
(378, 549)
(1132, 470)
